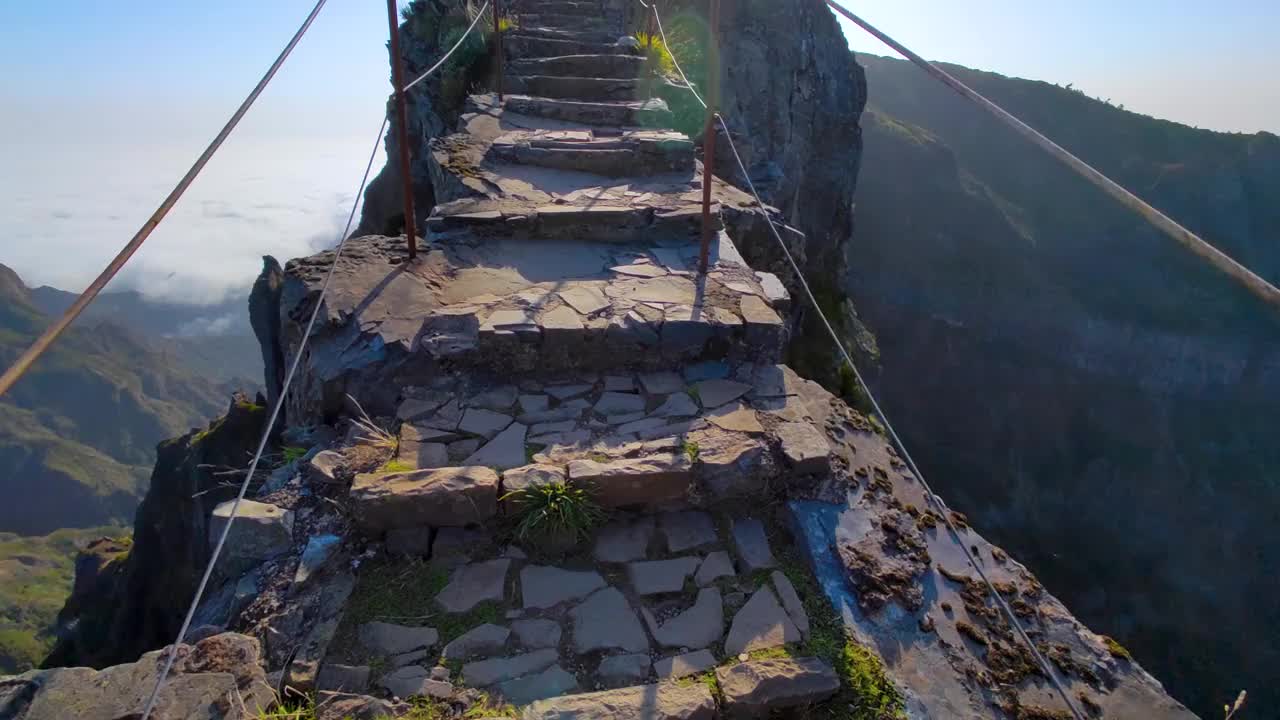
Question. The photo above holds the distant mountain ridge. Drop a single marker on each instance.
(1096, 397)
(78, 433)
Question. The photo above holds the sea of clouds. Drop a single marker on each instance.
(69, 207)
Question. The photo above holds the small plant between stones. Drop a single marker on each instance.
(555, 510)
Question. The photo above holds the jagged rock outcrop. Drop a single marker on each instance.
(429, 29)
(264, 316)
(142, 609)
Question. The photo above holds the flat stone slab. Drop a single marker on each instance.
(624, 669)
(552, 682)
(479, 642)
(388, 639)
(485, 423)
(568, 392)
(618, 403)
(714, 566)
(537, 633)
(471, 585)
(635, 481)
(687, 530)
(761, 624)
(443, 497)
(484, 673)
(606, 621)
(624, 542)
(677, 405)
(662, 383)
(664, 701)
(413, 680)
(543, 587)
(735, 416)
(761, 687)
(698, 627)
(752, 544)
(791, 602)
(678, 666)
(717, 392)
(586, 300)
(804, 446)
(342, 678)
(504, 451)
(662, 576)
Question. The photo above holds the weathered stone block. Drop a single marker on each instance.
(444, 497)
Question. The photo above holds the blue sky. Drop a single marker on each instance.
(103, 104)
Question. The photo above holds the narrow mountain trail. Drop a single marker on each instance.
(762, 547)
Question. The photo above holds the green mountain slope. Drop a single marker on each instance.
(36, 575)
(78, 433)
(1096, 399)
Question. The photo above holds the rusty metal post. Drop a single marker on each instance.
(497, 46)
(709, 130)
(402, 131)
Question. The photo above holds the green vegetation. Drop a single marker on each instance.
(555, 511)
(35, 578)
(292, 454)
(396, 465)
(420, 709)
(1116, 649)
(691, 449)
(657, 56)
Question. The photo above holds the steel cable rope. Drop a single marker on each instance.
(275, 410)
(54, 331)
(1223, 262)
(897, 441)
(658, 18)
(465, 35)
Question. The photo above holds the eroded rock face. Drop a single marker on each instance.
(886, 564)
(208, 682)
(143, 608)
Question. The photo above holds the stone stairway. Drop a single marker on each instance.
(555, 330)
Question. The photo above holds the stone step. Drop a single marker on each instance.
(578, 88)
(577, 21)
(563, 7)
(640, 113)
(605, 224)
(603, 65)
(633, 153)
(588, 35)
(533, 45)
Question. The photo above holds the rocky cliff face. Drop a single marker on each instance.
(139, 607)
(1071, 379)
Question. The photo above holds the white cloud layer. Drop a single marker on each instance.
(69, 207)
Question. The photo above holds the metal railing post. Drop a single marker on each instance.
(497, 46)
(402, 131)
(709, 130)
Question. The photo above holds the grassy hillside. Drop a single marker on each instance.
(78, 433)
(36, 574)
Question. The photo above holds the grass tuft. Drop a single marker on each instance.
(555, 511)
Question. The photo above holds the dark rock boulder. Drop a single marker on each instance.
(264, 315)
